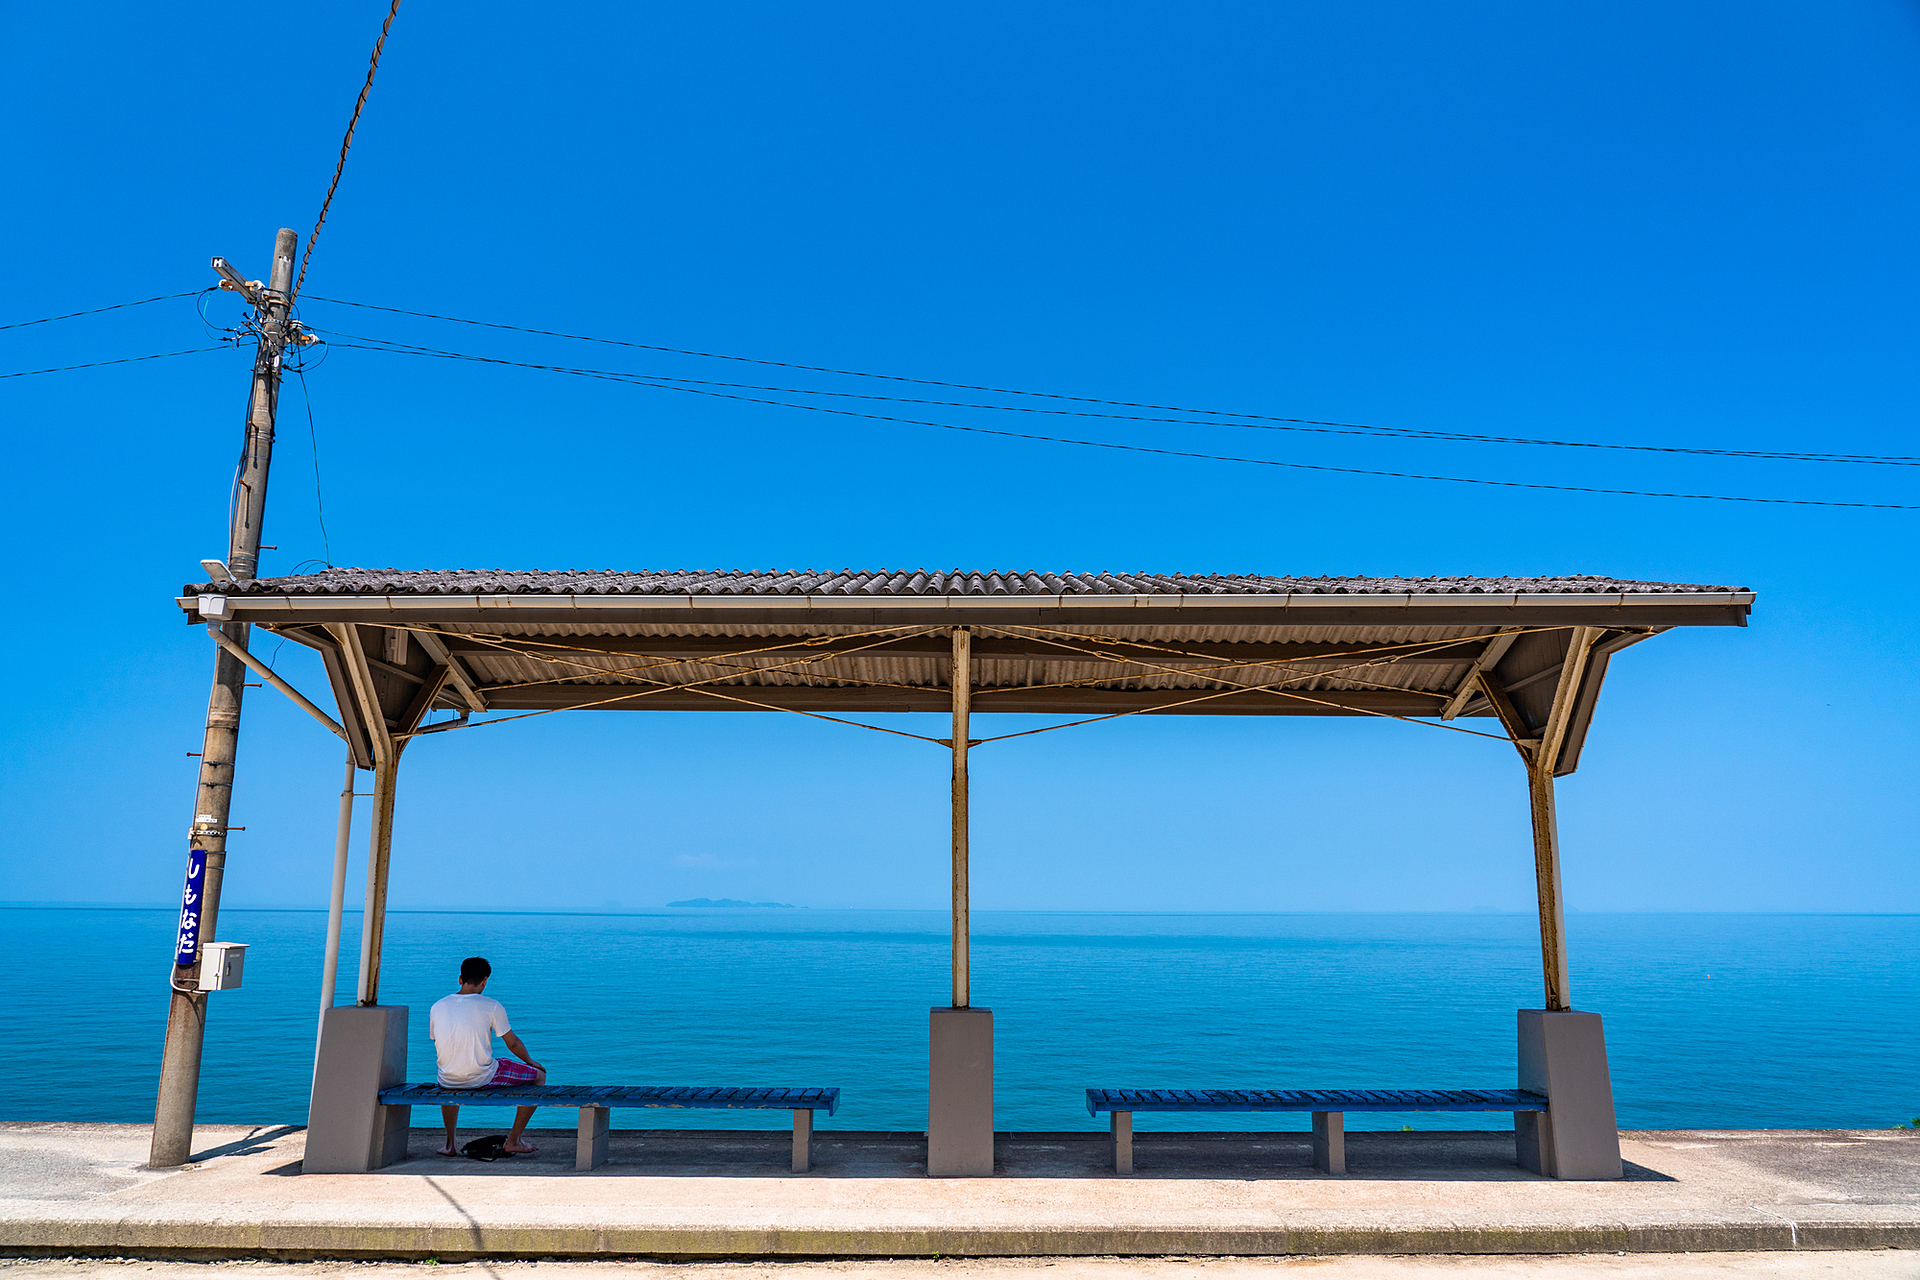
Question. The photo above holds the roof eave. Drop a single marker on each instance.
(1612, 609)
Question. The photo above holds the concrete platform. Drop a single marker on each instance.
(82, 1190)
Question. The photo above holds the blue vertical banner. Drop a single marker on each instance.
(187, 947)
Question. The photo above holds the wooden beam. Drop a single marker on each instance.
(1510, 718)
(861, 700)
(1494, 650)
(423, 700)
(347, 703)
(1583, 708)
(1579, 645)
(457, 672)
(354, 657)
(985, 647)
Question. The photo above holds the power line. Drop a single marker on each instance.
(67, 368)
(313, 438)
(346, 143)
(1252, 421)
(118, 306)
(643, 380)
(1378, 434)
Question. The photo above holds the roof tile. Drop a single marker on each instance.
(911, 582)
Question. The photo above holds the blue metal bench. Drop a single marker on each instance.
(1327, 1105)
(594, 1102)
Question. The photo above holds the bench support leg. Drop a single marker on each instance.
(802, 1141)
(1330, 1141)
(590, 1152)
(1122, 1141)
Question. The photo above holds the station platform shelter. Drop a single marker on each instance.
(414, 653)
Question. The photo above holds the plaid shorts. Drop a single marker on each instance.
(507, 1071)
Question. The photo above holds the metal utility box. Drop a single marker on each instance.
(221, 964)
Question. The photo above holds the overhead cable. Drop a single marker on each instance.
(1386, 434)
(1253, 421)
(118, 306)
(346, 144)
(644, 380)
(66, 368)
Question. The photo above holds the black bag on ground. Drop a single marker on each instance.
(491, 1147)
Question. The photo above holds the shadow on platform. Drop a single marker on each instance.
(1447, 1156)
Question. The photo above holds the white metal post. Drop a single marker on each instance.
(337, 898)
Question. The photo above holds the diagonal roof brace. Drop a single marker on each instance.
(267, 673)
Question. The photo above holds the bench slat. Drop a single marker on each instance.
(690, 1097)
(1099, 1100)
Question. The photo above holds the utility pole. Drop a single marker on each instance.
(207, 840)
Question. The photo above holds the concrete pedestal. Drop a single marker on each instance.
(362, 1051)
(1330, 1141)
(1564, 1056)
(960, 1093)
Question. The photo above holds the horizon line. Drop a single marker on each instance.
(663, 911)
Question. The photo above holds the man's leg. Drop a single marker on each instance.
(515, 1143)
(450, 1115)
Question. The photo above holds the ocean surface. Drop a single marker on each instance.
(1713, 1021)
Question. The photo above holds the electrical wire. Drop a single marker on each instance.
(1253, 420)
(118, 306)
(644, 380)
(346, 144)
(1184, 422)
(313, 438)
(96, 364)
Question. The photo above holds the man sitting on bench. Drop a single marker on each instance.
(463, 1026)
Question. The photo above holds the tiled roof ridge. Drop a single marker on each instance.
(913, 582)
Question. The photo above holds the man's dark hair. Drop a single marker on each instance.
(475, 969)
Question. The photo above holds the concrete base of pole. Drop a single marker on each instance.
(960, 1093)
(363, 1049)
(1564, 1056)
(179, 1081)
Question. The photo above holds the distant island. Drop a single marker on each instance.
(725, 902)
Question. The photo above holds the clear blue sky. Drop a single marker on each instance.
(1632, 222)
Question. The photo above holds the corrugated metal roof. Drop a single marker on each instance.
(907, 582)
(1081, 644)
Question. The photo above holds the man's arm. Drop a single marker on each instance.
(519, 1049)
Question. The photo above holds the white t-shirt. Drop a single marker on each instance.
(463, 1027)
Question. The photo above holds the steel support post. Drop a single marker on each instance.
(207, 838)
(960, 1036)
(1541, 758)
(962, 699)
(373, 921)
(1546, 875)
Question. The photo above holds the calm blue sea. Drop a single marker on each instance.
(1712, 1020)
